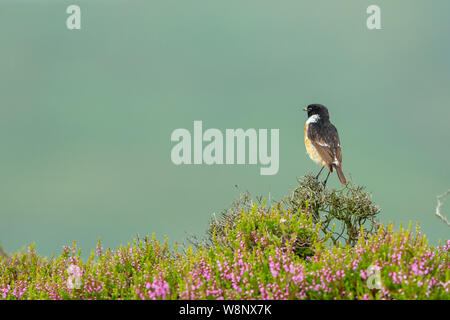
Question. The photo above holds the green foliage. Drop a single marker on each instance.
(3, 253)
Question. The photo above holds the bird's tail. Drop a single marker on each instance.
(340, 174)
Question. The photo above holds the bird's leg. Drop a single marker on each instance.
(317, 177)
(326, 179)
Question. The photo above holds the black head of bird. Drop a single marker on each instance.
(317, 109)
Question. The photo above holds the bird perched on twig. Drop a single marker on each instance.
(322, 141)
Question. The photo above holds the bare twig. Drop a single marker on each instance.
(438, 207)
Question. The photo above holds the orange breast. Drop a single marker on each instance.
(311, 150)
(307, 143)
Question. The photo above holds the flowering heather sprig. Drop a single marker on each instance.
(266, 253)
(99, 248)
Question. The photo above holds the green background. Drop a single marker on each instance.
(86, 116)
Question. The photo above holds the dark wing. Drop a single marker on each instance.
(325, 139)
(335, 142)
(339, 153)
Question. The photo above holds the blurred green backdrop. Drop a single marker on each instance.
(86, 116)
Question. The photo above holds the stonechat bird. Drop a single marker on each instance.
(322, 141)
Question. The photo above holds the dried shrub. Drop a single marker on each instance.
(348, 209)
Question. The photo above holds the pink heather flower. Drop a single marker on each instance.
(158, 289)
(414, 268)
(364, 274)
(274, 267)
(365, 297)
(5, 291)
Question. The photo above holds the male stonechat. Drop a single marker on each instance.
(322, 141)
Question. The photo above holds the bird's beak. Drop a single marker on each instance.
(304, 109)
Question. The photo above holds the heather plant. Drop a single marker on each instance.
(264, 253)
(340, 212)
(3, 253)
(226, 220)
